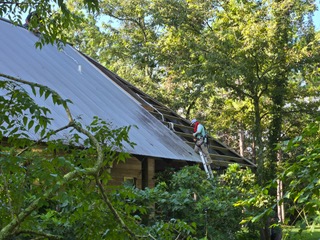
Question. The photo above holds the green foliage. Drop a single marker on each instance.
(256, 201)
(222, 62)
(189, 206)
(19, 114)
(302, 175)
(253, 63)
(296, 233)
(49, 20)
(73, 206)
(49, 188)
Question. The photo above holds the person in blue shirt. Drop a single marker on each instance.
(199, 135)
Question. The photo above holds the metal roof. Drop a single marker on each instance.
(96, 91)
(220, 153)
(92, 92)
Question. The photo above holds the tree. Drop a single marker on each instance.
(301, 175)
(50, 18)
(246, 59)
(253, 62)
(188, 197)
(193, 54)
(36, 182)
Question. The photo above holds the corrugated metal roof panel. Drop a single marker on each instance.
(91, 91)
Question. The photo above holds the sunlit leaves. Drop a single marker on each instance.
(49, 20)
(20, 114)
(186, 204)
(302, 175)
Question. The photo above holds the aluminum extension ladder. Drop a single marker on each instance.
(206, 165)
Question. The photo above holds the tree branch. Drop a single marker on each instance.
(10, 3)
(47, 235)
(40, 140)
(113, 210)
(64, 102)
(9, 228)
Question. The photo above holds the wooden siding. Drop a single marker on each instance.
(133, 169)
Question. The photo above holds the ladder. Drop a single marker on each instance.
(206, 165)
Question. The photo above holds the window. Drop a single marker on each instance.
(130, 181)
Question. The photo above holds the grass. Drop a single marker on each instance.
(290, 233)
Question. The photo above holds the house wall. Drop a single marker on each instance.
(139, 171)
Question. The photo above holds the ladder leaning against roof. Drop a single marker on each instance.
(204, 161)
(206, 165)
(222, 155)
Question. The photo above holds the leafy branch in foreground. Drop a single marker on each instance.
(42, 188)
(48, 18)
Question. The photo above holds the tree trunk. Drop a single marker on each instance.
(241, 142)
(278, 90)
(257, 139)
(280, 205)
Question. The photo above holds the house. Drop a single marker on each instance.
(163, 138)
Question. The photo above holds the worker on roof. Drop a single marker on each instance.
(200, 139)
